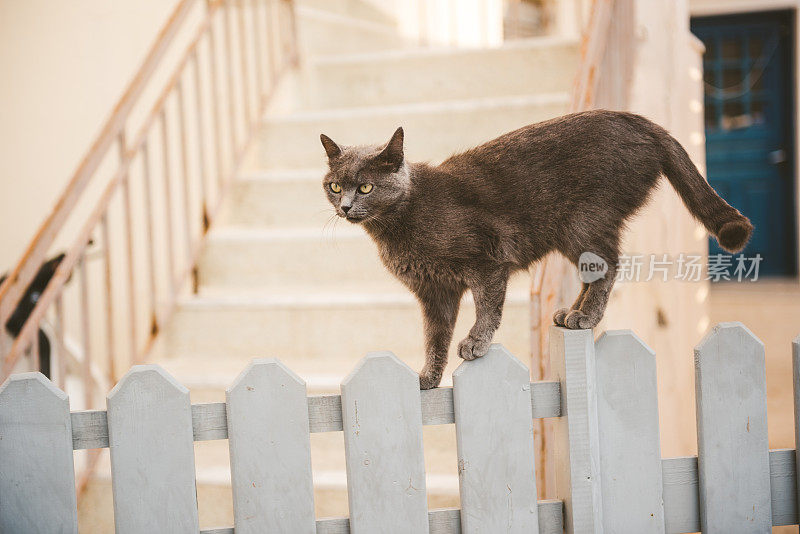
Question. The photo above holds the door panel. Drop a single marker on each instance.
(749, 128)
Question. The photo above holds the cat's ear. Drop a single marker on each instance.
(331, 148)
(393, 152)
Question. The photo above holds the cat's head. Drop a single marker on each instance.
(365, 182)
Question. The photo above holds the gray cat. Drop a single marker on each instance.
(567, 184)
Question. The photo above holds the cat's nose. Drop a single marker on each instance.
(345, 209)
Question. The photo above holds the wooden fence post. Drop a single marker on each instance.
(630, 450)
(37, 477)
(152, 453)
(732, 444)
(494, 433)
(577, 446)
(382, 423)
(270, 450)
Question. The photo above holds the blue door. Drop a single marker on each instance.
(749, 128)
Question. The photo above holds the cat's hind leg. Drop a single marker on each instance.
(439, 311)
(561, 313)
(489, 292)
(595, 300)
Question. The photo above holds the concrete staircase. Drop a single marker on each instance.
(275, 281)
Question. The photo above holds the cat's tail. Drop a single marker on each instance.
(731, 228)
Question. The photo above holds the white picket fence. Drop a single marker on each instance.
(610, 474)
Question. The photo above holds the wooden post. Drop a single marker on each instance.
(577, 446)
(37, 478)
(152, 453)
(268, 432)
(732, 444)
(382, 411)
(494, 431)
(630, 453)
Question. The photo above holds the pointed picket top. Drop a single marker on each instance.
(141, 373)
(377, 360)
(15, 382)
(628, 343)
(37, 478)
(727, 336)
(271, 367)
(498, 359)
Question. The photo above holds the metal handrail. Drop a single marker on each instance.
(267, 47)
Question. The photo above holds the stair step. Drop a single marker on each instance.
(344, 260)
(433, 130)
(329, 332)
(294, 262)
(282, 199)
(323, 32)
(432, 75)
(356, 9)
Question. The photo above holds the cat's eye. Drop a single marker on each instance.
(336, 188)
(365, 188)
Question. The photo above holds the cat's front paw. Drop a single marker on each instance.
(429, 380)
(471, 348)
(577, 320)
(559, 316)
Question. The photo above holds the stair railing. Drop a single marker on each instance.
(134, 215)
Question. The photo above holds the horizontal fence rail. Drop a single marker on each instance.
(610, 474)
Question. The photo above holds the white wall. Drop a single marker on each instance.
(63, 65)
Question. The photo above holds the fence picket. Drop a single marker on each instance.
(732, 444)
(494, 433)
(630, 450)
(796, 388)
(37, 477)
(152, 453)
(577, 446)
(270, 450)
(382, 420)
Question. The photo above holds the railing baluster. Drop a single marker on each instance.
(126, 194)
(151, 260)
(201, 135)
(231, 89)
(86, 368)
(245, 70)
(295, 53)
(212, 61)
(270, 18)
(109, 298)
(257, 53)
(58, 325)
(168, 206)
(187, 208)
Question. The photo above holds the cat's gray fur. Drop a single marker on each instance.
(567, 184)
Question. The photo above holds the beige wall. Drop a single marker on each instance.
(63, 66)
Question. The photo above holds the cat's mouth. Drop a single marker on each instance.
(354, 218)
